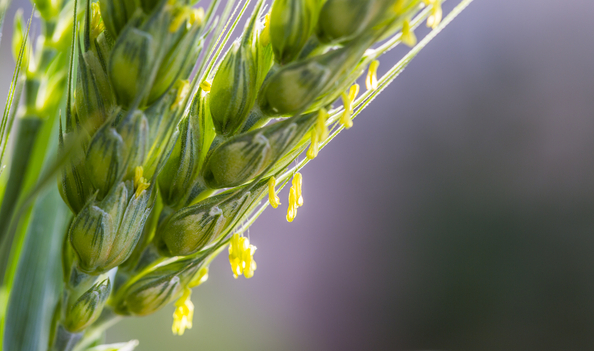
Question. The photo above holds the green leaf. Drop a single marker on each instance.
(27, 134)
(38, 279)
(7, 117)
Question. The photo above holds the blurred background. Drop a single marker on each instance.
(457, 213)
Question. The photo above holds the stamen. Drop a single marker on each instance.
(196, 16)
(313, 150)
(408, 36)
(200, 277)
(436, 13)
(371, 81)
(295, 197)
(321, 126)
(347, 100)
(206, 86)
(183, 89)
(272, 197)
(97, 25)
(140, 183)
(183, 314)
(292, 210)
(241, 256)
(265, 33)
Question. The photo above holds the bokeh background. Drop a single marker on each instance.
(457, 214)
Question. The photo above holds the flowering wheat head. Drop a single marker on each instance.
(176, 142)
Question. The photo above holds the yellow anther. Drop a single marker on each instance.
(398, 6)
(200, 277)
(297, 181)
(313, 150)
(292, 211)
(408, 35)
(97, 25)
(319, 133)
(347, 100)
(436, 13)
(241, 256)
(196, 16)
(353, 92)
(321, 126)
(191, 15)
(206, 86)
(140, 183)
(183, 89)
(183, 314)
(371, 80)
(295, 197)
(177, 21)
(272, 197)
(265, 33)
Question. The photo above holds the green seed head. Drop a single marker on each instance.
(156, 288)
(182, 49)
(115, 151)
(105, 161)
(291, 24)
(246, 156)
(87, 308)
(130, 65)
(133, 129)
(182, 168)
(74, 185)
(105, 232)
(238, 160)
(233, 90)
(116, 14)
(293, 88)
(94, 97)
(342, 20)
(190, 229)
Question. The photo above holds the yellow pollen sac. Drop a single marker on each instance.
(297, 181)
(436, 13)
(196, 16)
(183, 89)
(398, 6)
(97, 25)
(183, 314)
(205, 86)
(319, 133)
(241, 256)
(177, 21)
(193, 16)
(272, 197)
(265, 33)
(200, 277)
(408, 36)
(295, 197)
(314, 149)
(292, 211)
(347, 100)
(140, 183)
(321, 126)
(371, 80)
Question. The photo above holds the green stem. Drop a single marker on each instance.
(65, 340)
